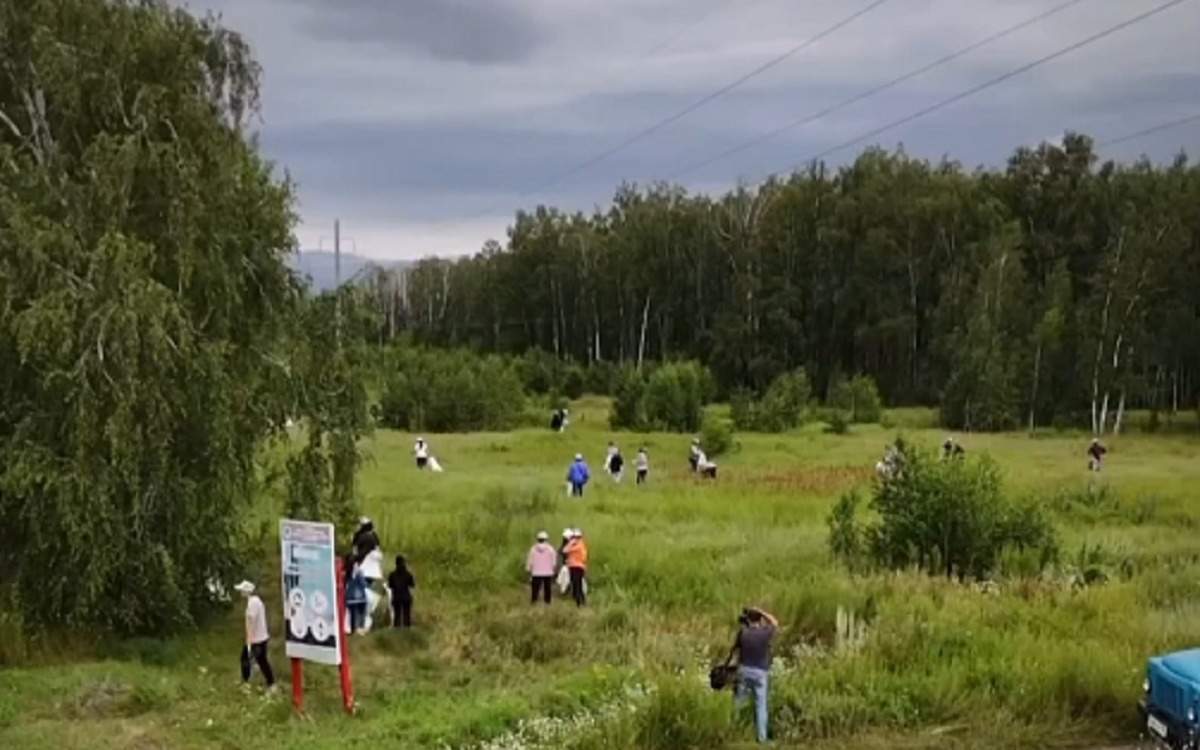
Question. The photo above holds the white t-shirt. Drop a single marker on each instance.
(256, 620)
(421, 449)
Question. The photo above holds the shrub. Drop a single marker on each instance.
(943, 517)
(782, 407)
(672, 398)
(444, 391)
(858, 397)
(716, 436)
(629, 405)
(839, 422)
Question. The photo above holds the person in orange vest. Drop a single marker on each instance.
(577, 556)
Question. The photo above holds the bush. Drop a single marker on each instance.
(839, 422)
(858, 397)
(446, 391)
(943, 517)
(672, 398)
(716, 436)
(783, 407)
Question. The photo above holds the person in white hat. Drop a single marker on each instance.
(540, 563)
(421, 451)
(257, 635)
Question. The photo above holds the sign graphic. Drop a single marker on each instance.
(310, 614)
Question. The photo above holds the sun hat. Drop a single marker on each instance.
(567, 531)
(363, 520)
(245, 587)
(577, 532)
(542, 536)
(578, 456)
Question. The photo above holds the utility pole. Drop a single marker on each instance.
(337, 281)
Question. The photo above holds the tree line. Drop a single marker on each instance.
(1058, 290)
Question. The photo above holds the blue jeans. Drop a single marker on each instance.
(753, 681)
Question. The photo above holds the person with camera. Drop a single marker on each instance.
(753, 650)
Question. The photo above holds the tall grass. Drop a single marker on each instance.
(1030, 660)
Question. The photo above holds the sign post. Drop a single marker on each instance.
(313, 602)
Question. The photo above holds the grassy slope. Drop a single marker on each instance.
(942, 665)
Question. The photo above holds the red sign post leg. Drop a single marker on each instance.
(343, 640)
(298, 685)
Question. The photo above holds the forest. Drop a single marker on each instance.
(1059, 290)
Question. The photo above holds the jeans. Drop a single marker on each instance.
(753, 682)
(358, 616)
(577, 586)
(576, 489)
(542, 583)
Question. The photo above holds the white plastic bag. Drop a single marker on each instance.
(434, 465)
(564, 579)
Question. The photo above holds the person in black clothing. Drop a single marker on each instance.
(616, 465)
(401, 583)
(952, 449)
(1096, 453)
(365, 539)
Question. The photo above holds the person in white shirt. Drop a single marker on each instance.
(256, 635)
(421, 451)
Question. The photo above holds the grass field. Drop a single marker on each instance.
(1029, 662)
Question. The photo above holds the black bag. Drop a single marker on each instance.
(721, 676)
(246, 662)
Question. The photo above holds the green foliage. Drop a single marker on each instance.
(143, 293)
(945, 517)
(857, 398)
(672, 398)
(783, 407)
(629, 401)
(839, 422)
(716, 436)
(446, 391)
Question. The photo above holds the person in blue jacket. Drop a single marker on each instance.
(578, 475)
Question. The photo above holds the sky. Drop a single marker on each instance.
(425, 124)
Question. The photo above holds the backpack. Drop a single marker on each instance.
(722, 676)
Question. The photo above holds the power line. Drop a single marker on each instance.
(873, 91)
(671, 40)
(1150, 131)
(660, 124)
(997, 80)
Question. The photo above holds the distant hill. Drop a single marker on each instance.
(318, 266)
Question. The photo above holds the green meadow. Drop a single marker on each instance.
(887, 659)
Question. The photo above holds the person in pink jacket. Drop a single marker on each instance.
(540, 563)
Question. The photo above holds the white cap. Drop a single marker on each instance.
(420, 439)
(363, 520)
(578, 456)
(542, 536)
(245, 587)
(567, 531)
(576, 532)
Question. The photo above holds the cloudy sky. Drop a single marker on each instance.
(424, 124)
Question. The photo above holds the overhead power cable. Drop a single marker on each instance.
(679, 115)
(873, 91)
(997, 80)
(1150, 131)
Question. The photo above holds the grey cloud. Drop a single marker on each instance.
(471, 31)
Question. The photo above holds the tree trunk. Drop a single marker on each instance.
(1037, 369)
(1120, 413)
(642, 338)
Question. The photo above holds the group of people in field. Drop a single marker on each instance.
(363, 570)
(891, 466)
(566, 566)
(563, 567)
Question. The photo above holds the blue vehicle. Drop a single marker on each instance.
(1171, 704)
